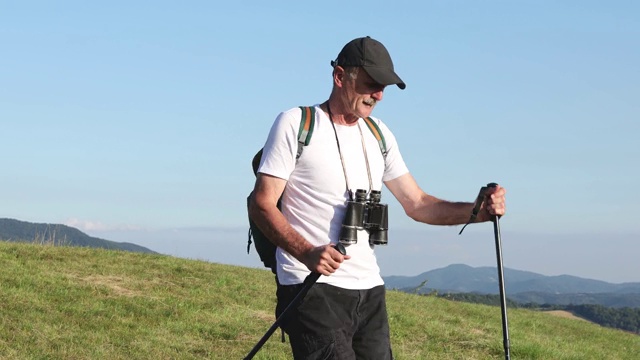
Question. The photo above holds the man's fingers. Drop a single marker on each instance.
(332, 258)
(495, 200)
(325, 260)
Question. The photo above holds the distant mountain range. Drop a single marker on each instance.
(520, 286)
(58, 234)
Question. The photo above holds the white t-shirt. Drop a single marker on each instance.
(314, 200)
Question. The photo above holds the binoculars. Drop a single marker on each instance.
(365, 213)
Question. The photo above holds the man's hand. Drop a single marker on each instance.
(494, 203)
(324, 259)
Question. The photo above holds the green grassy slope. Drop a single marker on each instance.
(83, 303)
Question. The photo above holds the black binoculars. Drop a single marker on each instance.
(368, 214)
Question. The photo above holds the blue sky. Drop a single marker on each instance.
(136, 121)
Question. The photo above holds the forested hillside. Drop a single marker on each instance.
(58, 234)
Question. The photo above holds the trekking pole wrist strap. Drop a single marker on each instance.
(476, 208)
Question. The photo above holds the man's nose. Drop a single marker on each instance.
(377, 96)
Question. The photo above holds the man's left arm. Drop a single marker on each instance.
(429, 209)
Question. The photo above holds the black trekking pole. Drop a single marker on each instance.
(503, 299)
(308, 283)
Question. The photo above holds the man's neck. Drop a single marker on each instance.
(335, 111)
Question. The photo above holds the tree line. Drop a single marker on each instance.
(625, 318)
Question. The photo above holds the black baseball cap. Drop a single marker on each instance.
(371, 55)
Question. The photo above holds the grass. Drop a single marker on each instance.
(59, 302)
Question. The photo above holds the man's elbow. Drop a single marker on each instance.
(253, 207)
(412, 212)
(259, 205)
(422, 212)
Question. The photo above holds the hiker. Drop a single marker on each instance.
(344, 314)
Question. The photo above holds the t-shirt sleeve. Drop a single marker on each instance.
(279, 153)
(394, 164)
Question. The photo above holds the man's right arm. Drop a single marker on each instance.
(264, 212)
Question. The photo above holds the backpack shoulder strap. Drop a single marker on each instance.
(375, 129)
(307, 122)
(305, 131)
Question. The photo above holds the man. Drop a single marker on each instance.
(344, 315)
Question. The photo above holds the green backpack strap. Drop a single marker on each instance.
(307, 123)
(305, 131)
(375, 129)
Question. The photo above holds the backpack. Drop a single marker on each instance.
(265, 248)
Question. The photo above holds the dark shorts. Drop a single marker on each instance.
(337, 324)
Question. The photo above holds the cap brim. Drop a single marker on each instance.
(384, 76)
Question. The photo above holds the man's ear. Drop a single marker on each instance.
(338, 75)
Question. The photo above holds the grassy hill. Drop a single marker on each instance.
(60, 302)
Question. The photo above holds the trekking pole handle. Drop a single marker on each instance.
(493, 185)
(314, 276)
(478, 204)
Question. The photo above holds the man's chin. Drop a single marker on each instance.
(365, 111)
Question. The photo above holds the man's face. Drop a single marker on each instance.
(361, 95)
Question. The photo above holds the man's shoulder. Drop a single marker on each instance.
(381, 124)
(293, 115)
(298, 109)
(289, 116)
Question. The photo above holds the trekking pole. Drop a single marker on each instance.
(308, 283)
(496, 230)
(503, 299)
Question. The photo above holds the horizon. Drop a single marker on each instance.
(141, 121)
(447, 248)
